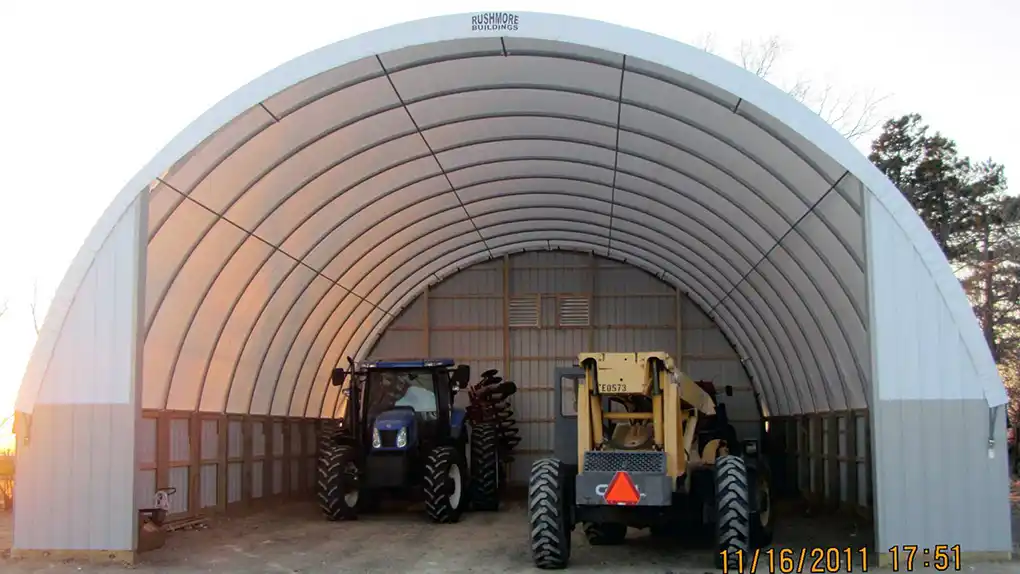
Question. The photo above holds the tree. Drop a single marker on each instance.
(853, 115)
(3, 308)
(971, 216)
(944, 189)
(34, 306)
(991, 269)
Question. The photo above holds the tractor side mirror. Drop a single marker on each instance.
(339, 376)
(461, 376)
(728, 390)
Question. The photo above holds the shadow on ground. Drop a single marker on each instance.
(295, 539)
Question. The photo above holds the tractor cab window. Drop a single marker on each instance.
(415, 389)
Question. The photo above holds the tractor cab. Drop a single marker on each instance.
(409, 404)
(392, 406)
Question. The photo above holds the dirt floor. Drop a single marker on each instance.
(297, 540)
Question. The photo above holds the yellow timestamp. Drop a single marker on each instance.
(790, 561)
(941, 557)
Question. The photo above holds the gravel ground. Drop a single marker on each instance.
(296, 540)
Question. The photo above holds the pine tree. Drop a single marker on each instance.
(928, 170)
(970, 214)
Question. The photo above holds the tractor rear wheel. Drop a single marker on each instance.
(485, 469)
(548, 514)
(733, 511)
(763, 520)
(605, 533)
(338, 482)
(444, 484)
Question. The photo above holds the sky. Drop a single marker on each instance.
(93, 90)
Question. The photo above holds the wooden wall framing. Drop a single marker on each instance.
(826, 459)
(224, 463)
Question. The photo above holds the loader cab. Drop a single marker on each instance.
(567, 381)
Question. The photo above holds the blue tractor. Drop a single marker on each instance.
(400, 436)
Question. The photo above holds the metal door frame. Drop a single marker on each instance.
(565, 425)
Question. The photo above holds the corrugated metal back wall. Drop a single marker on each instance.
(559, 304)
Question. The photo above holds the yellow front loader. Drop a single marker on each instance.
(652, 452)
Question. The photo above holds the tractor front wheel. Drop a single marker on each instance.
(485, 467)
(733, 512)
(548, 514)
(444, 484)
(338, 482)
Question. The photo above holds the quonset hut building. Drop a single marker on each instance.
(508, 189)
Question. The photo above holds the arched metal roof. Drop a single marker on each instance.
(293, 221)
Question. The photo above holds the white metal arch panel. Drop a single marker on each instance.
(210, 323)
(559, 192)
(240, 320)
(197, 164)
(364, 315)
(721, 156)
(271, 396)
(350, 306)
(317, 155)
(390, 233)
(169, 251)
(694, 202)
(661, 261)
(918, 351)
(95, 355)
(334, 236)
(522, 122)
(176, 316)
(351, 185)
(795, 141)
(828, 303)
(245, 377)
(790, 119)
(275, 147)
(291, 397)
(823, 353)
(163, 200)
(372, 296)
(585, 244)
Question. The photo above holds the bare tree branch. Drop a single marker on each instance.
(761, 57)
(3, 308)
(853, 115)
(706, 42)
(33, 306)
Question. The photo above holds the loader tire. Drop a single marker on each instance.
(548, 514)
(338, 482)
(733, 512)
(485, 471)
(605, 533)
(444, 485)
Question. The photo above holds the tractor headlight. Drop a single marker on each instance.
(402, 438)
(751, 447)
(376, 439)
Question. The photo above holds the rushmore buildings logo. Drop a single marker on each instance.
(494, 21)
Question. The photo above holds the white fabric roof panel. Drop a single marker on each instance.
(323, 197)
(342, 181)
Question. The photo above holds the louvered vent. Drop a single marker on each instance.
(524, 311)
(574, 311)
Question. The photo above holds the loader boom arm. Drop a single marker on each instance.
(663, 402)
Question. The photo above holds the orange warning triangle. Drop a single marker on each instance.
(622, 490)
